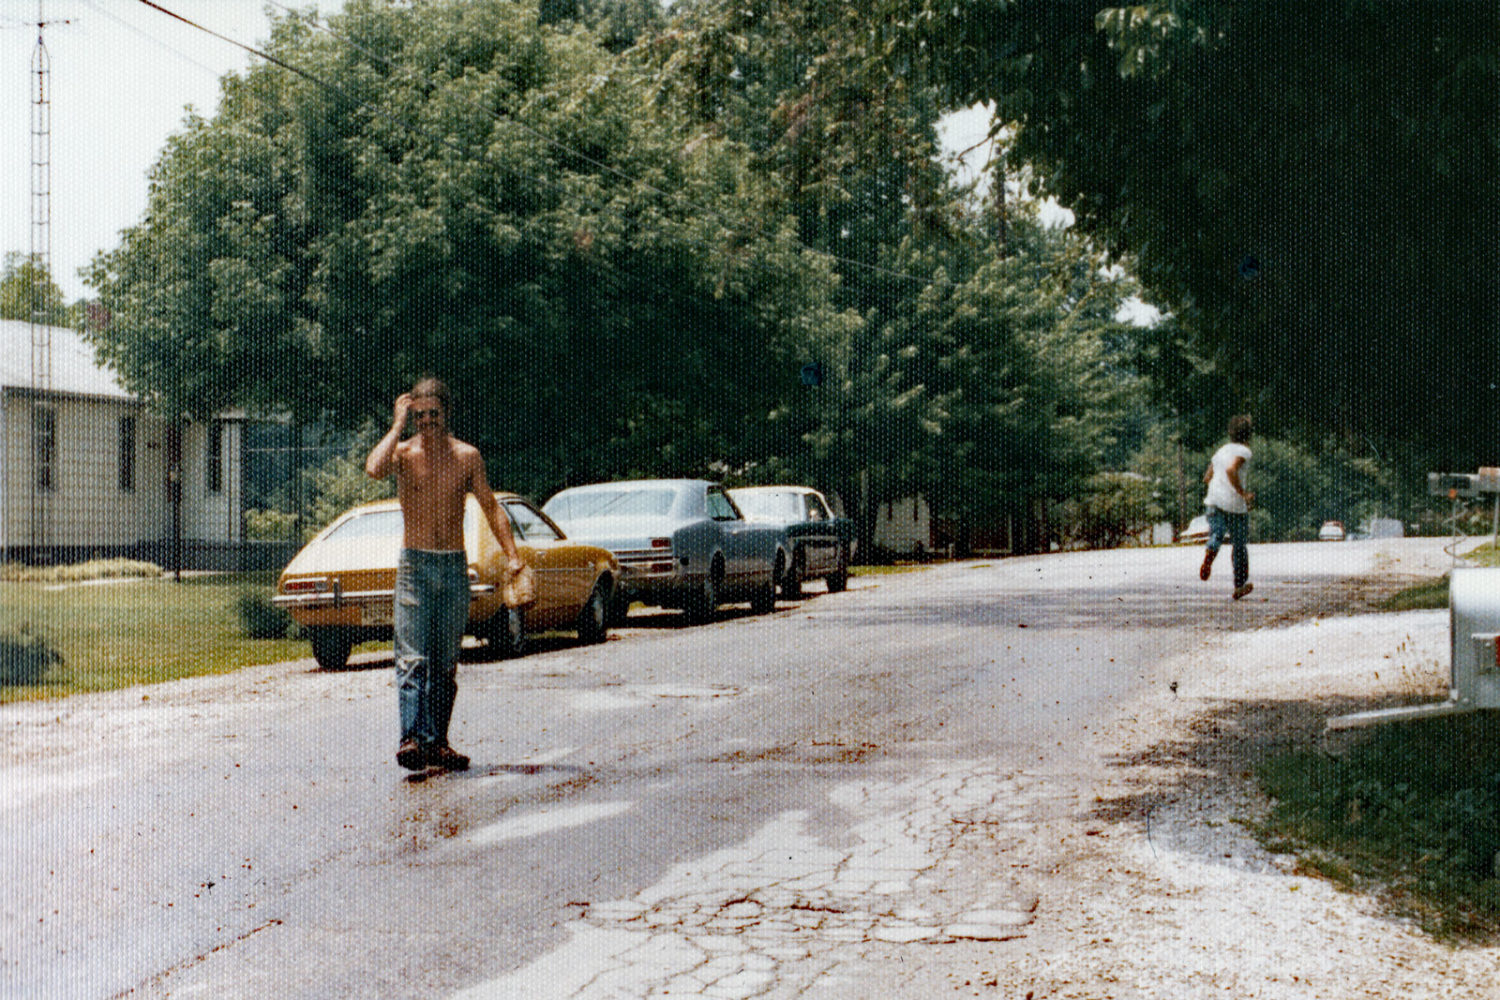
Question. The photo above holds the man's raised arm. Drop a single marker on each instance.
(381, 462)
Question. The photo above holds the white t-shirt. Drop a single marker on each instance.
(1221, 492)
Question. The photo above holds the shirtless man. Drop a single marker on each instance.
(434, 472)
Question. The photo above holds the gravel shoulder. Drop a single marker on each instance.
(1157, 890)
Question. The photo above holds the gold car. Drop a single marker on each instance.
(340, 588)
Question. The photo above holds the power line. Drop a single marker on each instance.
(91, 5)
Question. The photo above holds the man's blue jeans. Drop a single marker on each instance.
(432, 607)
(1237, 527)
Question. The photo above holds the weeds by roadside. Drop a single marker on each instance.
(1432, 594)
(1428, 595)
(1410, 811)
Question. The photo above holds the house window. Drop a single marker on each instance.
(44, 446)
(216, 457)
(127, 454)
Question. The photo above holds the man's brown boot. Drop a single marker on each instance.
(447, 757)
(411, 756)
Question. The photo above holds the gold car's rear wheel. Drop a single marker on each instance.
(330, 646)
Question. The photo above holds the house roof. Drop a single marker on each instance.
(75, 369)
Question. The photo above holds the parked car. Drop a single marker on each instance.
(682, 543)
(823, 543)
(340, 588)
(1332, 531)
(1196, 531)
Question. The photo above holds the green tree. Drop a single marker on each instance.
(27, 291)
(1302, 185)
(619, 24)
(970, 361)
(463, 190)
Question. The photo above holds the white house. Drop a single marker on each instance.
(85, 470)
(907, 527)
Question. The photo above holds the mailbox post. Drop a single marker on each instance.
(1473, 624)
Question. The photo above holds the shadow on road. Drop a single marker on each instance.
(1148, 605)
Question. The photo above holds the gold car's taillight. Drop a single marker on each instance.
(310, 585)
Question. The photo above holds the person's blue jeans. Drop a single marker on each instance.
(1237, 527)
(432, 607)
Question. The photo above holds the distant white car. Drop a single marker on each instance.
(1332, 531)
(1196, 531)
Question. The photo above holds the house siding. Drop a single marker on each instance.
(87, 511)
(904, 526)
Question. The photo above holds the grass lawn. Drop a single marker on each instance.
(116, 634)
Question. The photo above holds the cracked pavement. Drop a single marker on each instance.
(873, 793)
(783, 912)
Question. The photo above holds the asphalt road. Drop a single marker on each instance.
(749, 808)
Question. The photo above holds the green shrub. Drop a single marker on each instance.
(260, 618)
(270, 525)
(25, 658)
(1414, 806)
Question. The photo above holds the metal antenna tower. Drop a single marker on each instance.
(43, 422)
(41, 208)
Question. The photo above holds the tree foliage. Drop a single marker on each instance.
(976, 368)
(28, 292)
(1309, 187)
(463, 190)
(1308, 184)
(620, 244)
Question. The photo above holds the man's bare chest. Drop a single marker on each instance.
(434, 479)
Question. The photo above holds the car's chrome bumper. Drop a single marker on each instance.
(337, 598)
(649, 565)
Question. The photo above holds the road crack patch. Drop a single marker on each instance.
(782, 909)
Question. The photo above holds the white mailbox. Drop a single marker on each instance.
(1474, 604)
(1474, 656)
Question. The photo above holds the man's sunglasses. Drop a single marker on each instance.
(424, 414)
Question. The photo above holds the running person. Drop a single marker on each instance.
(1227, 505)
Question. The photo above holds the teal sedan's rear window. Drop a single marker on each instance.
(610, 503)
(778, 505)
